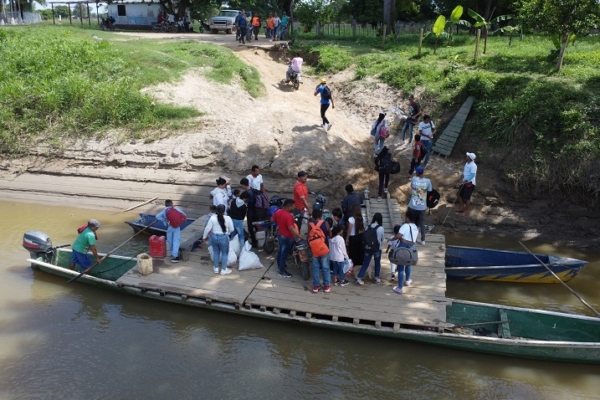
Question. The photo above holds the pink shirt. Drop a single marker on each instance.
(297, 63)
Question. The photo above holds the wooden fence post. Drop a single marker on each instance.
(318, 29)
(384, 32)
(80, 14)
(70, 19)
(420, 42)
(53, 20)
(354, 29)
(477, 44)
(89, 14)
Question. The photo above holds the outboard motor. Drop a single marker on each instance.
(38, 244)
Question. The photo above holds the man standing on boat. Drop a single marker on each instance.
(173, 217)
(86, 241)
(419, 186)
(468, 184)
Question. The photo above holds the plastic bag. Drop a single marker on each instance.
(235, 245)
(231, 257)
(248, 259)
(348, 267)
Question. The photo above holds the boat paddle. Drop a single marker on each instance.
(564, 284)
(108, 254)
(137, 205)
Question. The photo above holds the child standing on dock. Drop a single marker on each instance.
(338, 255)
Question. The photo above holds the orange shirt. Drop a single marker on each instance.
(255, 21)
(271, 23)
(300, 190)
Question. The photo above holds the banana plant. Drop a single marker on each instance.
(438, 29)
(510, 30)
(480, 22)
(455, 20)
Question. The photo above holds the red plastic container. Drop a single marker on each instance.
(158, 246)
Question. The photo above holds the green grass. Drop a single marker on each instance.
(60, 81)
(539, 121)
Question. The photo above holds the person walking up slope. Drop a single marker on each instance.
(173, 217)
(326, 100)
(380, 131)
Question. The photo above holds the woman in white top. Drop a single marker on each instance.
(338, 255)
(408, 234)
(221, 226)
(375, 128)
(219, 194)
(356, 227)
(376, 224)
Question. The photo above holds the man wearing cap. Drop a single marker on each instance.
(414, 112)
(301, 205)
(325, 102)
(468, 184)
(419, 186)
(84, 242)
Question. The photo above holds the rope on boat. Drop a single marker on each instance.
(585, 303)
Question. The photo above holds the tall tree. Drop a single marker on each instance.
(561, 17)
(389, 15)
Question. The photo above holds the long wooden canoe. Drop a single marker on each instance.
(481, 264)
(486, 328)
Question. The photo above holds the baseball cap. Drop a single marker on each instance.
(323, 80)
(419, 169)
(302, 173)
(94, 223)
(472, 156)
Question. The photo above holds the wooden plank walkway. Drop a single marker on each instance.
(423, 303)
(446, 141)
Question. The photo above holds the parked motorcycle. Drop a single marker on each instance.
(107, 24)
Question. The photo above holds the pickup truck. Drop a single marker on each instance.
(225, 21)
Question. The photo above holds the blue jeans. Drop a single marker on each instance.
(404, 270)
(174, 239)
(283, 252)
(220, 246)
(367, 261)
(238, 224)
(378, 144)
(338, 270)
(429, 146)
(282, 32)
(323, 264)
(408, 127)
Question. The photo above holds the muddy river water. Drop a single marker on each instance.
(72, 341)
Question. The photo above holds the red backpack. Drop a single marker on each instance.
(384, 132)
(316, 240)
(175, 217)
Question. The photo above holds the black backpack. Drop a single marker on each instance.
(433, 198)
(386, 164)
(370, 242)
(326, 93)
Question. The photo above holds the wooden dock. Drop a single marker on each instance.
(422, 304)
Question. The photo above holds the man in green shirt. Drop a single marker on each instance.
(85, 241)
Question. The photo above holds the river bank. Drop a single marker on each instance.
(281, 133)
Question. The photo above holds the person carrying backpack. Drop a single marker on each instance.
(326, 100)
(372, 241)
(173, 218)
(380, 131)
(383, 165)
(407, 235)
(318, 241)
(419, 152)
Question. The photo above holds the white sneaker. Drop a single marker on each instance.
(379, 199)
(216, 270)
(408, 282)
(225, 271)
(328, 126)
(377, 280)
(397, 290)
(359, 281)
(385, 190)
(421, 242)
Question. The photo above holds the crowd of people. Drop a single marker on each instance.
(276, 28)
(337, 243)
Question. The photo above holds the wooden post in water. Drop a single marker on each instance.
(383, 36)
(354, 29)
(420, 42)
(477, 44)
